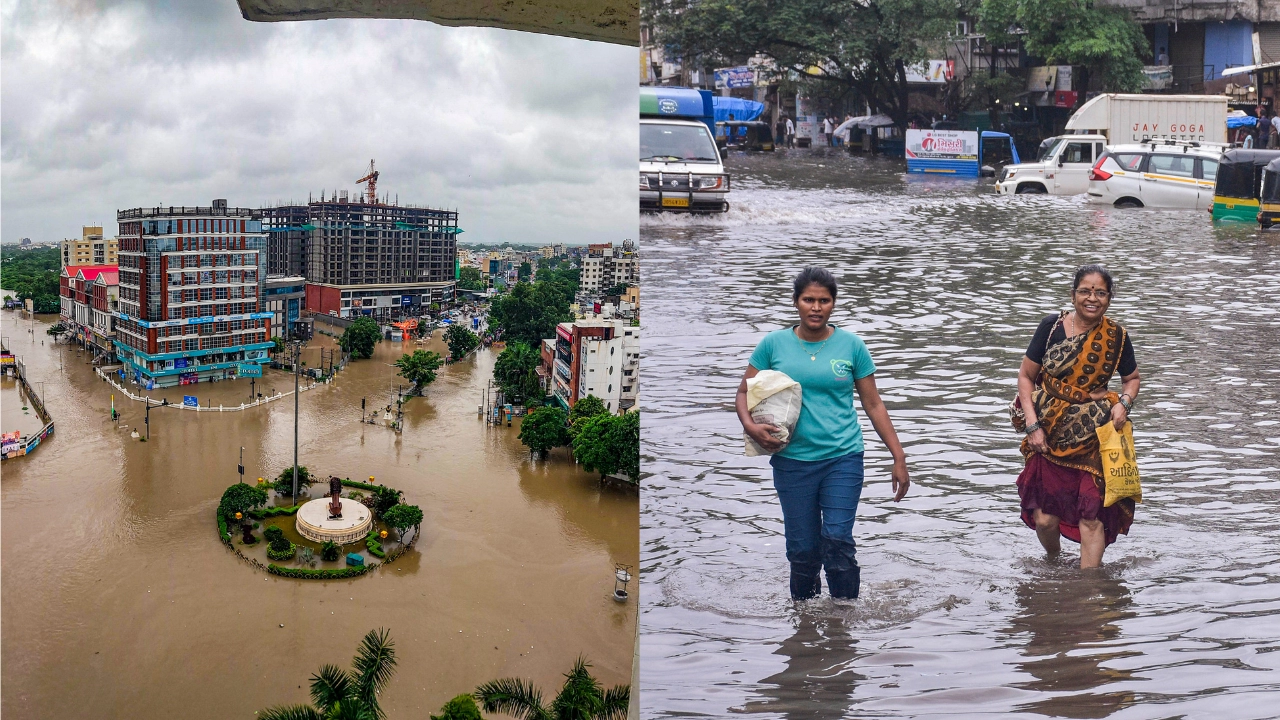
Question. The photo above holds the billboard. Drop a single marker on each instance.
(249, 370)
(735, 77)
(946, 152)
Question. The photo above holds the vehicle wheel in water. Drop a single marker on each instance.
(1031, 189)
(1125, 203)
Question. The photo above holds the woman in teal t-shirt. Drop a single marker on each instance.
(818, 475)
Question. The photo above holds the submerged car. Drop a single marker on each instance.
(1164, 174)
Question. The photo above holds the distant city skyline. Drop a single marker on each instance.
(98, 117)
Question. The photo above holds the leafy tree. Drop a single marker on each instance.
(618, 289)
(283, 483)
(545, 428)
(33, 274)
(1097, 38)
(530, 313)
(419, 368)
(57, 329)
(352, 694)
(403, 517)
(460, 340)
(587, 407)
(609, 444)
(360, 337)
(515, 371)
(469, 278)
(241, 498)
(329, 550)
(581, 698)
(385, 498)
(462, 707)
(525, 271)
(277, 344)
(866, 45)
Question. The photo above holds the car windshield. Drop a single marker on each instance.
(676, 143)
(1048, 148)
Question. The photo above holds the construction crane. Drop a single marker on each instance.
(372, 178)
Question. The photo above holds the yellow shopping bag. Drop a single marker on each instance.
(1119, 463)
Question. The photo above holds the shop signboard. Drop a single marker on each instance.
(188, 378)
(944, 152)
(735, 77)
(249, 370)
(179, 363)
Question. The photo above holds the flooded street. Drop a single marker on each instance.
(119, 600)
(960, 614)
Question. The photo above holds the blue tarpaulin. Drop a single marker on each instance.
(1245, 121)
(741, 109)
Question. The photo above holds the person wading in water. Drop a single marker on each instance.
(818, 475)
(1062, 389)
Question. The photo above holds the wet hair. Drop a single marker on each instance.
(1093, 269)
(813, 276)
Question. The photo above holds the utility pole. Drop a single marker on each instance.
(240, 467)
(297, 351)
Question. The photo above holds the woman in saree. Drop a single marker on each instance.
(1062, 389)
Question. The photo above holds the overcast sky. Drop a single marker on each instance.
(109, 105)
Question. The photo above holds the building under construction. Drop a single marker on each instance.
(362, 255)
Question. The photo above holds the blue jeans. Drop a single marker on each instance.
(819, 503)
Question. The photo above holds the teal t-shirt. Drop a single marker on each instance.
(828, 425)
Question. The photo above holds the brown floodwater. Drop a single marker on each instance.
(119, 601)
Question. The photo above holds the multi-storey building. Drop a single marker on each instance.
(87, 290)
(367, 258)
(91, 249)
(191, 280)
(605, 266)
(284, 297)
(594, 357)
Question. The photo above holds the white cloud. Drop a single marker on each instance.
(106, 106)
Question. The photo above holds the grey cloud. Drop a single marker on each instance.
(111, 105)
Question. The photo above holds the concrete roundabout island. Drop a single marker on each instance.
(314, 522)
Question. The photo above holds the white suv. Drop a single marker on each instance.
(1163, 174)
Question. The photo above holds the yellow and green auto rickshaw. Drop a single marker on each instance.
(745, 135)
(1269, 200)
(1235, 191)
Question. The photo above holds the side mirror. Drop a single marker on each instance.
(1060, 161)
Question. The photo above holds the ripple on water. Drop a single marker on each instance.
(960, 615)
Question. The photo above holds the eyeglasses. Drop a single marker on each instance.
(1086, 292)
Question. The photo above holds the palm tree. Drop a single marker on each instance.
(347, 695)
(581, 698)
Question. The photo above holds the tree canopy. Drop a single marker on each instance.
(32, 274)
(1102, 40)
(338, 693)
(460, 340)
(545, 428)
(360, 337)
(586, 407)
(403, 517)
(469, 278)
(581, 698)
(530, 313)
(609, 444)
(419, 368)
(866, 45)
(241, 498)
(515, 371)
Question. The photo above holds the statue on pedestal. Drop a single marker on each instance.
(335, 505)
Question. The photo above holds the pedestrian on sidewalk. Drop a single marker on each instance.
(818, 474)
(780, 130)
(791, 133)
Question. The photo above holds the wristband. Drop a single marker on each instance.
(1127, 403)
(1031, 428)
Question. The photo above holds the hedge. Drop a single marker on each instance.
(271, 512)
(361, 485)
(327, 574)
(224, 533)
(285, 555)
(375, 547)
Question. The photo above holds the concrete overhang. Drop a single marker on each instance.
(611, 21)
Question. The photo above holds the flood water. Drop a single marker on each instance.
(119, 600)
(960, 614)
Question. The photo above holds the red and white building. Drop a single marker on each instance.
(90, 297)
(594, 357)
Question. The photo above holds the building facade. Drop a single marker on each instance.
(605, 266)
(86, 291)
(284, 297)
(91, 249)
(360, 258)
(595, 357)
(191, 284)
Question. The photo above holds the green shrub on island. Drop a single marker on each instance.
(306, 556)
(385, 498)
(241, 498)
(329, 551)
(403, 517)
(223, 531)
(283, 483)
(249, 539)
(286, 552)
(277, 511)
(374, 545)
(348, 482)
(462, 707)
(321, 574)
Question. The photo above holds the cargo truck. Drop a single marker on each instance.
(1113, 119)
(680, 165)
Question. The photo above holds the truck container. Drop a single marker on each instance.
(1136, 118)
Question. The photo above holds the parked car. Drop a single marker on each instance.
(1063, 167)
(1166, 174)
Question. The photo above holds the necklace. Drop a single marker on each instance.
(814, 355)
(1071, 319)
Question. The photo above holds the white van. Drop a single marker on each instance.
(1063, 168)
(680, 167)
(1166, 174)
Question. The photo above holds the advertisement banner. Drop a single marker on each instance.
(944, 152)
(249, 370)
(735, 77)
(188, 378)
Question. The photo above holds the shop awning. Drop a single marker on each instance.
(1250, 68)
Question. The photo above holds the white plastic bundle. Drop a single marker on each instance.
(773, 398)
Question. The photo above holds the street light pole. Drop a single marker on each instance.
(240, 467)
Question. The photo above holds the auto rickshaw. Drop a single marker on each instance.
(1269, 199)
(1239, 180)
(745, 134)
